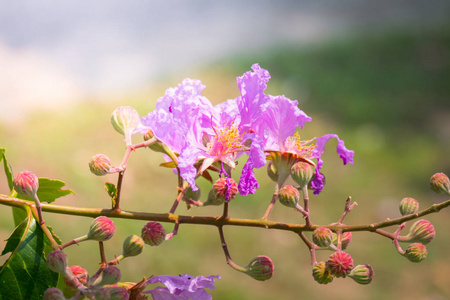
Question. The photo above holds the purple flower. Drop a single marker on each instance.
(181, 287)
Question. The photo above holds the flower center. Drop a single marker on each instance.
(227, 140)
(302, 148)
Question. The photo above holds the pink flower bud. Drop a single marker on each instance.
(110, 275)
(53, 294)
(362, 274)
(26, 184)
(125, 118)
(409, 206)
(340, 263)
(321, 273)
(79, 273)
(289, 196)
(224, 191)
(132, 246)
(346, 239)
(102, 229)
(440, 183)
(416, 252)
(322, 236)
(153, 233)
(102, 294)
(100, 164)
(302, 173)
(421, 231)
(260, 268)
(118, 293)
(57, 261)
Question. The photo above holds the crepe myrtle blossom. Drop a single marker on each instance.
(181, 287)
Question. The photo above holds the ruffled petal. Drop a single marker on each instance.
(186, 162)
(248, 183)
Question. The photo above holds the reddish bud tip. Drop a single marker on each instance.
(440, 183)
(132, 246)
(289, 196)
(321, 273)
(100, 164)
(260, 268)
(57, 261)
(362, 274)
(225, 188)
(26, 183)
(102, 229)
(80, 273)
(416, 252)
(322, 236)
(409, 206)
(340, 264)
(302, 173)
(421, 231)
(346, 239)
(153, 233)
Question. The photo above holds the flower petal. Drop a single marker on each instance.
(248, 183)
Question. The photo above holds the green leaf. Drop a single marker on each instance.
(19, 214)
(112, 192)
(25, 274)
(7, 168)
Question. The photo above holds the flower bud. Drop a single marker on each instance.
(421, 231)
(340, 264)
(225, 188)
(302, 173)
(345, 241)
(322, 236)
(190, 194)
(53, 294)
(416, 252)
(260, 268)
(125, 118)
(321, 273)
(99, 164)
(79, 273)
(153, 233)
(110, 275)
(440, 183)
(102, 229)
(213, 199)
(132, 246)
(102, 294)
(362, 274)
(289, 196)
(57, 261)
(272, 171)
(26, 184)
(119, 293)
(409, 206)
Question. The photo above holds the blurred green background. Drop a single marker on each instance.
(385, 92)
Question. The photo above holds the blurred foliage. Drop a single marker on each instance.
(385, 93)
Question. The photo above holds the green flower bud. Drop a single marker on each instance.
(440, 183)
(53, 294)
(100, 164)
(321, 273)
(362, 274)
(260, 268)
(322, 236)
(272, 171)
(102, 229)
(213, 199)
(190, 194)
(125, 118)
(102, 294)
(153, 233)
(132, 246)
(409, 206)
(345, 241)
(289, 196)
(26, 184)
(340, 264)
(119, 293)
(421, 231)
(302, 173)
(57, 261)
(110, 275)
(416, 252)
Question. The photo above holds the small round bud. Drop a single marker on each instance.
(409, 206)
(289, 196)
(100, 164)
(345, 241)
(362, 274)
(321, 273)
(190, 194)
(102, 229)
(225, 188)
(57, 261)
(26, 183)
(302, 173)
(260, 268)
(322, 236)
(153, 233)
(421, 231)
(440, 183)
(416, 252)
(79, 273)
(132, 246)
(102, 294)
(53, 294)
(213, 199)
(272, 171)
(110, 275)
(119, 293)
(125, 118)
(340, 264)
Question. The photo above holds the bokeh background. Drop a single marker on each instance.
(376, 73)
